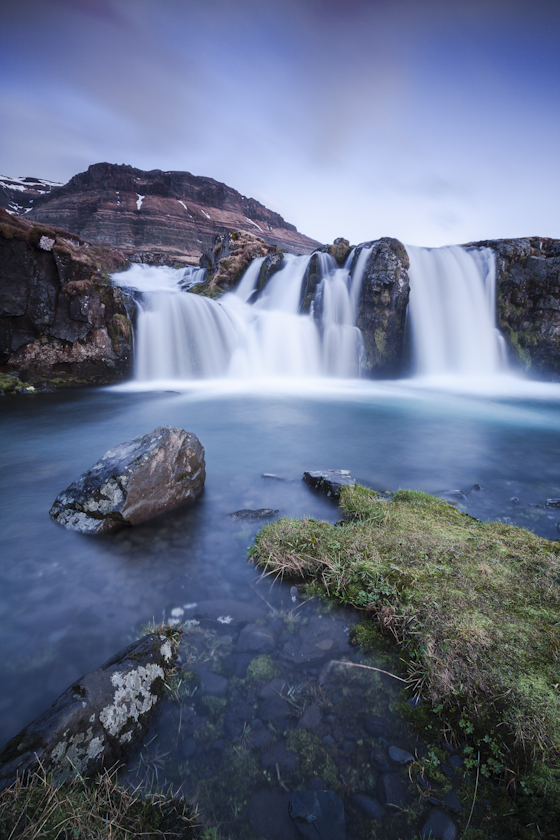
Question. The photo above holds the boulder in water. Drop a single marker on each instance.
(96, 721)
(134, 482)
(329, 481)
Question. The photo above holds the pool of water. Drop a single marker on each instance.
(69, 602)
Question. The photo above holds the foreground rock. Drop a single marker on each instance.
(329, 481)
(94, 723)
(134, 482)
(318, 814)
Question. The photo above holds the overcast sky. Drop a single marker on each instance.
(434, 121)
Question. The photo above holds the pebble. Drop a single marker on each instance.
(439, 826)
(400, 756)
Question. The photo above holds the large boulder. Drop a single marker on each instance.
(93, 725)
(134, 482)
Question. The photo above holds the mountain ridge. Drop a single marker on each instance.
(139, 212)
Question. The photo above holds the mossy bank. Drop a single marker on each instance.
(474, 609)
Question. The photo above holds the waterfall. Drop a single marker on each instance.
(452, 312)
(247, 333)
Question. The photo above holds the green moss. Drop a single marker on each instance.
(313, 756)
(474, 606)
(262, 669)
(380, 339)
(9, 384)
(6, 231)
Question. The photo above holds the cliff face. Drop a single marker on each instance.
(61, 322)
(528, 301)
(145, 212)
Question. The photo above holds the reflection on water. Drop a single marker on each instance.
(68, 602)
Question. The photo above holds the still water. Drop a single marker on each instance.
(69, 602)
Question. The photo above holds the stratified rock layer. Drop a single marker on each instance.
(174, 212)
(60, 318)
(93, 725)
(134, 482)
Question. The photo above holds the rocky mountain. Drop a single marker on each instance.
(146, 213)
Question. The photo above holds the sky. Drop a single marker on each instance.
(433, 121)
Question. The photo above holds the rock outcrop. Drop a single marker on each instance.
(133, 482)
(94, 724)
(61, 320)
(528, 301)
(382, 307)
(172, 212)
(228, 259)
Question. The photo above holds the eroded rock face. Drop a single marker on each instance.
(230, 256)
(133, 482)
(382, 307)
(93, 725)
(60, 318)
(528, 301)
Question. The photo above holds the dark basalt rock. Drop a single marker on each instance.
(134, 482)
(260, 513)
(439, 826)
(369, 806)
(318, 814)
(329, 481)
(96, 721)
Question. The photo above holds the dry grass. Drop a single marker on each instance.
(34, 808)
(474, 605)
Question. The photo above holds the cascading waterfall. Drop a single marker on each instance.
(452, 312)
(253, 332)
(248, 333)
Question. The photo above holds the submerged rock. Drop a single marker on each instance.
(329, 481)
(318, 814)
(96, 721)
(246, 513)
(133, 482)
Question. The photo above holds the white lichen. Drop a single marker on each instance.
(166, 650)
(225, 619)
(46, 243)
(132, 698)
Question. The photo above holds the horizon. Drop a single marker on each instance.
(435, 124)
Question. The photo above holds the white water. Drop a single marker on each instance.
(246, 334)
(452, 312)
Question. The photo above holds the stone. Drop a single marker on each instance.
(96, 721)
(439, 826)
(268, 816)
(391, 791)
(260, 513)
(274, 688)
(379, 760)
(318, 814)
(210, 683)
(188, 748)
(255, 639)
(279, 755)
(237, 664)
(329, 481)
(134, 482)
(452, 801)
(400, 756)
(224, 608)
(369, 806)
(273, 710)
(377, 727)
(311, 718)
(319, 639)
(260, 740)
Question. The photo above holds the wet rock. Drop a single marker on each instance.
(260, 740)
(256, 639)
(320, 638)
(260, 513)
(237, 714)
(369, 806)
(279, 754)
(268, 816)
(553, 503)
(454, 496)
(211, 683)
(377, 727)
(318, 814)
(274, 710)
(311, 718)
(400, 756)
(133, 482)
(188, 748)
(273, 477)
(274, 688)
(96, 721)
(237, 664)
(316, 783)
(439, 826)
(379, 761)
(329, 481)
(452, 801)
(455, 761)
(391, 791)
(514, 500)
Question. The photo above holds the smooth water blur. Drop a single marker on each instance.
(68, 602)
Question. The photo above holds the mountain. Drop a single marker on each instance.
(137, 212)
